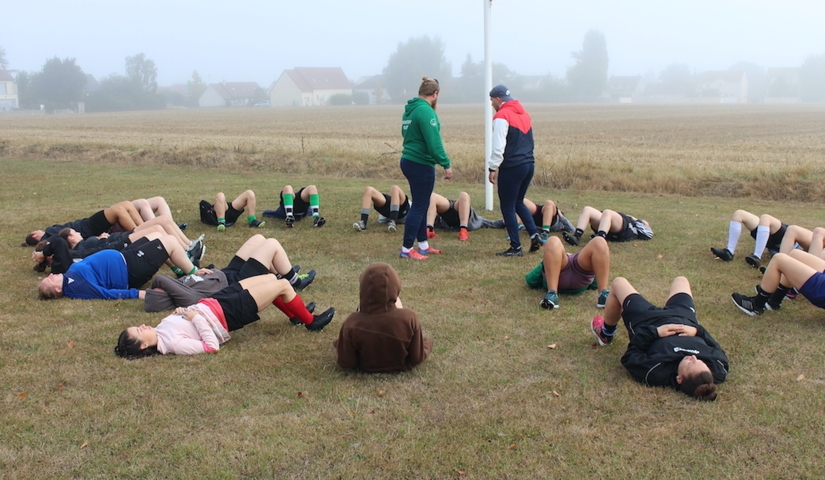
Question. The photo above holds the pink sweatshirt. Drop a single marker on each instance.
(203, 334)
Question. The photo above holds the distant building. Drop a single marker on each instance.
(782, 85)
(625, 89)
(727, 86)
(374, 87)
(230, 94)
(8, 92)
(306, 87)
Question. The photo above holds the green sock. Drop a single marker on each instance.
(221, 220)
(177, 271)
(314, 204)
(251, 218)
(546, 228)
(289, 201)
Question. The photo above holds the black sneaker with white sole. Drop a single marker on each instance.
(749, 305)
(321, 320)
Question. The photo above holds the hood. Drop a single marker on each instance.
(513, 105)
(414, 103)
(380, 286)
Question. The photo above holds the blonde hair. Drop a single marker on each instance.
(428, 86)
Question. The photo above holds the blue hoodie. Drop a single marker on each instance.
(100, 276)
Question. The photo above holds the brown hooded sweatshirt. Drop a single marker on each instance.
(381, 337)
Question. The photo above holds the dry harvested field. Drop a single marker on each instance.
(758, 151)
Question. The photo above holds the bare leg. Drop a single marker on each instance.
(620, 290)
(793, 235)
(160, 207)
(309, 190)
(143, 208)
(396, 195)
(791, 270)
(818, 243)
(462, 204)
(272, 255)
(594, 257)
(177, 254)
(679, 285)
(589, 216)
(250, 246)
(610, 222)
(548, 211)
(555, 260)
(266, 288)
(438, 204)
(123, 213)
(169, 226)
(220, 206)
(372, 197)
(246, 200)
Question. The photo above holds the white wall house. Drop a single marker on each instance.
(8, 92)
(307, 87)
(728, 86)
(230, 94)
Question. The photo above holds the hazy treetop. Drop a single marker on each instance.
(256, 40)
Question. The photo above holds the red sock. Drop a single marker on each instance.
(283, 307)
(298, 309)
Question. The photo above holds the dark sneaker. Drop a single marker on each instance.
(183, 226)
(391, 226)
(289, 221)
(722, 253)
(535, 243)
(304, 280)
(753, 261)
(596, 327)
(511, 252)
(321, 320)
(746, 304)
(256, 223)
(602, 301)
(762, 269)
(318, 221)
(310, 309)
(359, 226)
(571, 239)
(550, 300)
(544, 235)
(196, 253)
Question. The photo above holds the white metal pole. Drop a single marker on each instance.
(488, 108)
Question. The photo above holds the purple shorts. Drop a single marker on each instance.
(814, 289)
(573, 276)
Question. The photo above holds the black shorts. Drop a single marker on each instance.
(252, 268)
(143, 260)
(775, 240)
(300, 208)
(95, 225)
(627, 233)
(403, 209)
(239, 307)
(638, 312)
(450, 217)
(231, 215)
(234, 269)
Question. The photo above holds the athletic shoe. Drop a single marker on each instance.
(221, 227)
(194, 242)
(318, 221)
(792, 293)
(289, 221)
(722, 253)
(183, 226)
(359, 226)
(304, 280)
(463, 235)
(391, 227)
(511, 252)
(196, 253)
(746, 304)
(602, 301)
(550, 300)
(544, 235)
(430, 232)
(310, 309)
(596, 327)
(321, 321)
(413, 254)
(571, 239)
(430, 251)
(535, 244)
(257, 223)
(762, 269)
(753, 261)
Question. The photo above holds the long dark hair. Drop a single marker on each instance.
(700, 387)
(129, 348)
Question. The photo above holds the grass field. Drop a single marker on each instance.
(493, 401)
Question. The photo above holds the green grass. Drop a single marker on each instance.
(493, 401)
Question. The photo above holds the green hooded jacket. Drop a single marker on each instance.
(422, 134)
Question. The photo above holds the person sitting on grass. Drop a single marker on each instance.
(381, 336)
(223, 214)
(295, 206)
(799, 270)
(613, 226)
(562, 272)
(110, 274)
(812, 241)
(549, 217)
(204, 326)
(457, 214)
(767, 230)
(257, 256)
(122, 213)
(392, 207)
(668, 347)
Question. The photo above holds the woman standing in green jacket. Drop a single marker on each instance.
(423, 150)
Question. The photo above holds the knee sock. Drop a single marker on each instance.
(278, 302)
(289, 201)
(762, 234)
(314, 204)
(734, 230)
(291, 276)
(251, 218)
(365, 215)
(394, 212)
(299, 310)
(579, 232)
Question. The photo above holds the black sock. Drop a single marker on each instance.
(761, 297)
(779, 295)
(393, 212)
(462, 226)
(609, 330)
(579, 233)
(290, 276)
(365, 217)
(601, 233)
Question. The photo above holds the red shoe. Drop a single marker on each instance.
(462, 235)
(429, 251)
(430, 233)
(413, 254)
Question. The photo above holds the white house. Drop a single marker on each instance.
(8, 92)
(727, 86)
(230, 94)
(305, 87)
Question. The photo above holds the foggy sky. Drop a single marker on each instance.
(256, 40)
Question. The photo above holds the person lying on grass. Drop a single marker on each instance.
(392, 208)
(668, 347)
(204, 326)
(457, 214)
(767, 230)
(123, 213)
(799, 270)
(613, 226)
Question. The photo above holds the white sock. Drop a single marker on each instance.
(425, 245)
(734, 230)
(762, 234)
